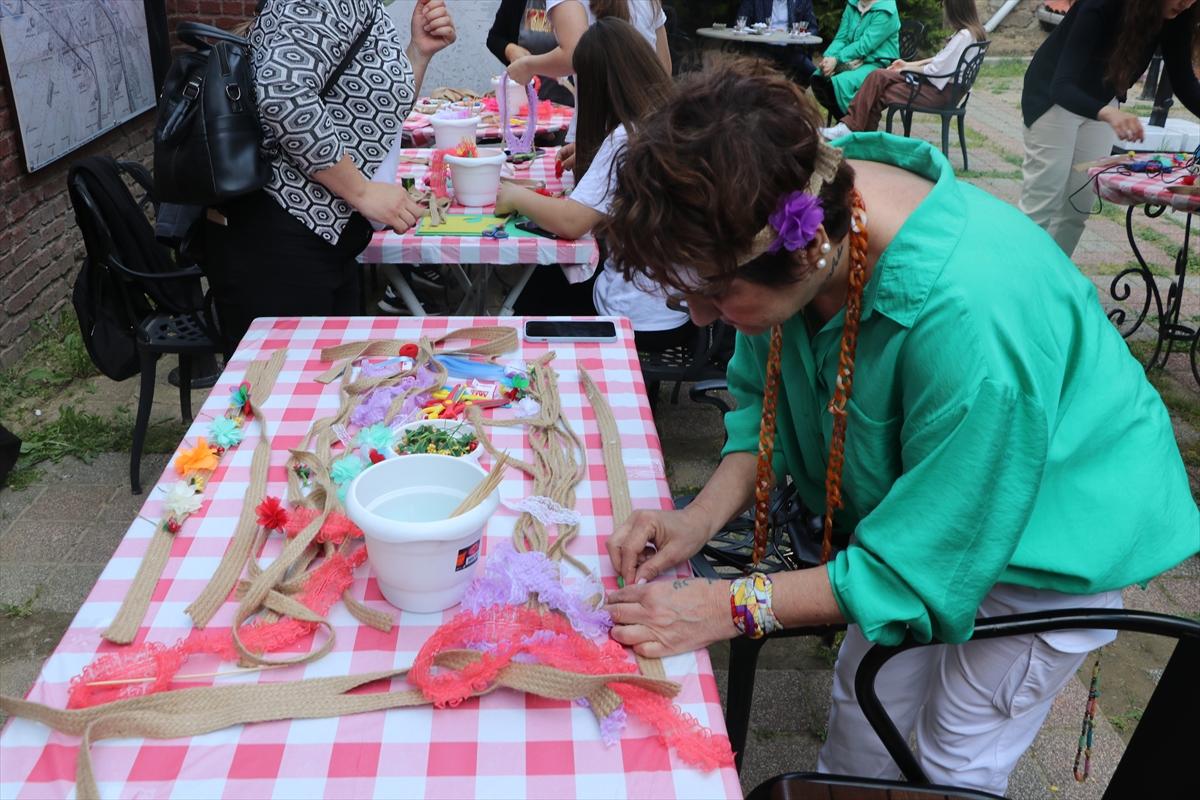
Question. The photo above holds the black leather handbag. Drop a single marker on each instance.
(207, 142)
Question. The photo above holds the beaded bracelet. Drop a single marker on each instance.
(750, 604)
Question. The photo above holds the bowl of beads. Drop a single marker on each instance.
(451, 126)
(445, 437)
(476, 178)
(422, 557)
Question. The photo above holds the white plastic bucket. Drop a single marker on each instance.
(477, 180)
(449, 132)
(517, 96)
(421, 559)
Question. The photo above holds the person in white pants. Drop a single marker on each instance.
(976, 707)
(1069, 102)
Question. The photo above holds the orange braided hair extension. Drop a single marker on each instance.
(837, 405)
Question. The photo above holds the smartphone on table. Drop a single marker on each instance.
(570, 330)
(529, 226)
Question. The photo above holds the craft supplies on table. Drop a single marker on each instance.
(505, 743)
(418, 129)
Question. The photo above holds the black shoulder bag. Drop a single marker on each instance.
(208, 140)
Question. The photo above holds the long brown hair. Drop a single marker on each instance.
(700, 175)
(1141, 21)
(619, 8)
(960, 14)
(619, 79)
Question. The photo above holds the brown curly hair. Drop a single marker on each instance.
(699, 177)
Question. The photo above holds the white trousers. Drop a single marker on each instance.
(1054, 144)
(976, 707)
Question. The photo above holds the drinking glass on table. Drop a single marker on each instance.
(802, 26)
(740, 24)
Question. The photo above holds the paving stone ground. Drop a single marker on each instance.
(56, 536)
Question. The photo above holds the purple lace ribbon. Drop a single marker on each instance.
(525, 143)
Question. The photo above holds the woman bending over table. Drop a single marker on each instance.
(521, 29)
(291, 249)
(572, 17)
(997, 458)
(619, 80)
(1096, 53)
(886, 86)
(868, 38)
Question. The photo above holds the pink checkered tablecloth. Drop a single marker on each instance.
(421, 132)
(1137, 189)
(504, 744)
(389, 247)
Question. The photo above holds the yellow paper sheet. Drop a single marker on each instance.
(459, 225)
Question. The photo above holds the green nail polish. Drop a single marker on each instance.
(620, 582)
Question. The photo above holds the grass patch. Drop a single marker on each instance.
(86, 436)
(1004, 68)
(21, 610)
(991, 173)
(58, 358)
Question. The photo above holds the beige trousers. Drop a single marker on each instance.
(1051, 192)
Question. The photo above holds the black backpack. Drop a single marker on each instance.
(207, 142)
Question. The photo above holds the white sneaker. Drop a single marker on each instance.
(836, 132)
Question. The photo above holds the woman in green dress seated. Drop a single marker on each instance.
(867, 39)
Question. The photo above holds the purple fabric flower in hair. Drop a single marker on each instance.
(797, 217)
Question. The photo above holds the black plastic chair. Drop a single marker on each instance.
(704, 362)
(911, 32)
(178, 323)
(1154, 763)
(962, 79)
(796, 534)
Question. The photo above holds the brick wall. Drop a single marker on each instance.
(40, 247)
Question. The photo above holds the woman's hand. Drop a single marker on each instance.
(1127, 126)
(521, 71)
(389, 205)
(566, 154)
(514, 51)
(508, 199)
(651, 542)
(432, 28)
(898, 65)
(669, 617)
(828, 65)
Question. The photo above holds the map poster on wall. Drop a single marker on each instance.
(78, 68)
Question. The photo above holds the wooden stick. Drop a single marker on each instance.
(485, 487)
(189, 677)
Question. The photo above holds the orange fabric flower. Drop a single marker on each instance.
(200, 457)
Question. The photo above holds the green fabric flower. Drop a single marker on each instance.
(345, 470)
(225, 432)
(378, 437)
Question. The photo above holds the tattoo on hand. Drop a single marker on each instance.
(680, 583)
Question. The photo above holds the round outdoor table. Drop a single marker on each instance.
(774, 37)
(1155, 194)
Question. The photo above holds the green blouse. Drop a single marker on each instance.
(999, 429)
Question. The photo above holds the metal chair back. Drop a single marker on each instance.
(911, 32)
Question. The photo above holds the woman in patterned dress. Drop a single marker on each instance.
(291, 249)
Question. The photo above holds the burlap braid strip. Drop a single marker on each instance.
(192, 712)
(261, 376)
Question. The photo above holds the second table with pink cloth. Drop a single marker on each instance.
(418, 129)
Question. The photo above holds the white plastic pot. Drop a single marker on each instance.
(421, 559)
(517, 96)
(477, 180)
(450, 132)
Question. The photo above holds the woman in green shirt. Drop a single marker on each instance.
(867, 39)
(1003, 451)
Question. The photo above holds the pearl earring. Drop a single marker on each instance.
(825, 248)
(821, 263)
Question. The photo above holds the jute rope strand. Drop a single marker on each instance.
(618, 483)
(845, 373)
(766, 448)
(193, 712)
(262, 381)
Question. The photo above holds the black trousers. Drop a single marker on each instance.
(267, 263)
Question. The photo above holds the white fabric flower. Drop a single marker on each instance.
(527, 408)
(182, 499)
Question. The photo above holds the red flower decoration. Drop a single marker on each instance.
(410, 350)
(172, 525)
(375, 456)
(558, 169)
(271, 515)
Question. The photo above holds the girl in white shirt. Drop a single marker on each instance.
(619, 79)
(886, 86)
